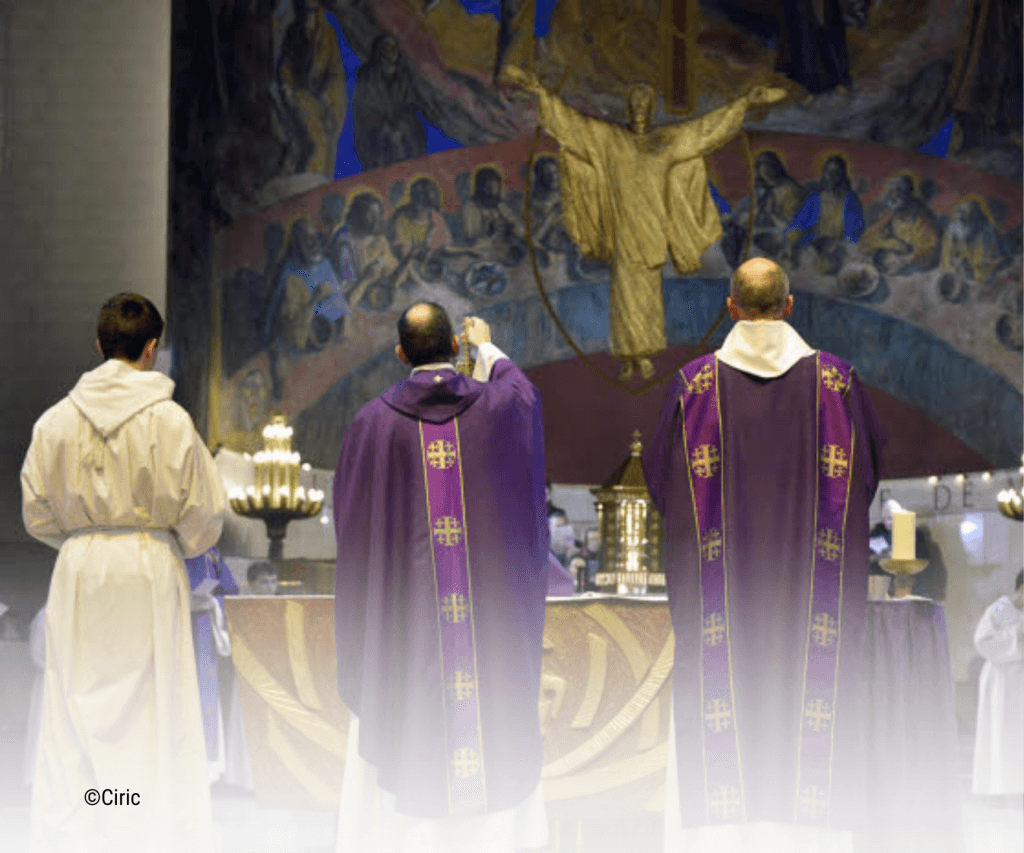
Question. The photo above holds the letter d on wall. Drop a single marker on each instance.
(947, 497)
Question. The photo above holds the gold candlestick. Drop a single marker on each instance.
(465, 365)
(276, 495)
(904, 571)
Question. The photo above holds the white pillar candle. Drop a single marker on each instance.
(903, 535)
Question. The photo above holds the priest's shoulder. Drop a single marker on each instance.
(695, 366)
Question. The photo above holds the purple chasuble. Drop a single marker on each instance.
(765, 485)
(442, 573)
(200, 568)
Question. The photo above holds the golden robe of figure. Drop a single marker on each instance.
(630, 195)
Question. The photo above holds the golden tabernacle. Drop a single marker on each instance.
(631, 530)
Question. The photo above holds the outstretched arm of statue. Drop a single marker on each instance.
(710, 132)
(522, 79)
(572, 130)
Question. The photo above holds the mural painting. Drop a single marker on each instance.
(335, 160)
(312, 288)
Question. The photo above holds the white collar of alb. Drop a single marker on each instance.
(765, 348)
(441, 365)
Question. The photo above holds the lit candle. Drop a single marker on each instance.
(903, 535)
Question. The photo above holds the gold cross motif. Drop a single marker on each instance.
(833, 378)
(461, 686)
(824, 629)
(702, 380)
(717, 715)
(441, 454)
(704, 461)
(711, 547)
(454, 608)
(818, 715)
(724, 801)
(829, 545)
(813, 801)
(714, 629)
(833, 461)
(465, 763)
(448, 531)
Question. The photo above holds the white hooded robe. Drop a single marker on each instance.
(999, 739)
(119, 481)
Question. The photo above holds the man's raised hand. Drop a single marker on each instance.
(477, 331)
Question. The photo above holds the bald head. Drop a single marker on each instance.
(425, 334)
(760, 291)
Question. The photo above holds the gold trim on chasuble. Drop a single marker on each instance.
(444, 485)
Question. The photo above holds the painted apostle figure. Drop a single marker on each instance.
(632, 194)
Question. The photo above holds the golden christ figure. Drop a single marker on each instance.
(630, 195)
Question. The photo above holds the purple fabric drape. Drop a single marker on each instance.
(208, 565)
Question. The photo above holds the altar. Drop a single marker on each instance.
(604, 706)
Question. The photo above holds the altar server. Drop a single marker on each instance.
(442, 570)
(999, 741)
(117, 479)
(764, 464)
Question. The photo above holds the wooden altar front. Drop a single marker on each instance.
(604, 703)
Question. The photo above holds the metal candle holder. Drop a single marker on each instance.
(904, 571)
(1010, 504)
(276, 496)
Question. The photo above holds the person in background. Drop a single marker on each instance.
(928, 583)
(578, 570)
(999, 737)
(262, 579)
(563, 537)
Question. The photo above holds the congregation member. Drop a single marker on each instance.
(442, 570)
(764, 464)
(932, 580)
(117, 479)
(999, 738)
(261, 578)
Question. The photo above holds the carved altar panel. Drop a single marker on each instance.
(604, 703)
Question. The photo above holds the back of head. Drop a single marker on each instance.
(127, 322)
(760, 287)
(425, 334)
(260, 570)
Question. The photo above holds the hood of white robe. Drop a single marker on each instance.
(115, 392)
(765, 348)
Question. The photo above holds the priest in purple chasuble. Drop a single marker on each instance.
(442, 573)
(764, 464)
